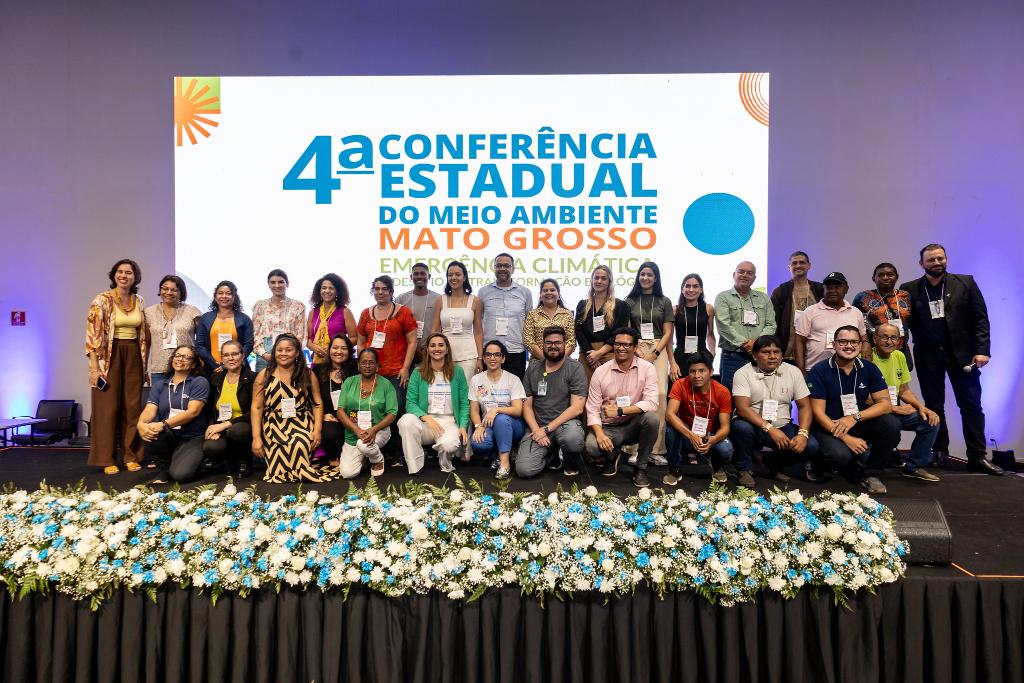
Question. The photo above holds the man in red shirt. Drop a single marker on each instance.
(698, 419)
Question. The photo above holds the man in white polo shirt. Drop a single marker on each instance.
(818, 325)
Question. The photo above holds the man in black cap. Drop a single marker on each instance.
(817, 326)
(949, 325)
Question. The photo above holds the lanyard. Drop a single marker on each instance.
(423, 312)
(839, 376)
(181, 401)
(770, 388)
(942, 293)
(369, 399)
(642, 309)
(385, 321)
(693, 402)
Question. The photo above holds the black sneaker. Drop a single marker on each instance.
(611, 466)
(570, 469)
(556, 462)
(640, 479)
(243, 470)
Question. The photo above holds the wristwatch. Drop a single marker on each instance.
(546, 430)
(856, 416)
(767, 426)
(166, 426)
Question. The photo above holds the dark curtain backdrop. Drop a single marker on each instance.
(924, 629)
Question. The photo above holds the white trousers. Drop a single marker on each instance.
(350, 464)
(416, 434)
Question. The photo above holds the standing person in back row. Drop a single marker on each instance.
(791, 299)
(949, 325)
(505, 307)
(741, 315)
(421, 301)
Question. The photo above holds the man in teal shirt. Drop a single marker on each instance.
(912, 414)
(741, 315)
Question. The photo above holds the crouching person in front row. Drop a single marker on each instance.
(697, 420)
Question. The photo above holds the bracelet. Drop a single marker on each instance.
(166, 426)
(803, 432)
(767, 426)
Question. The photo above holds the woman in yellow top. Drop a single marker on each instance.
(116, 344)
(549, 312)
(223, 322)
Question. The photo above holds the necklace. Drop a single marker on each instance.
(131, 305)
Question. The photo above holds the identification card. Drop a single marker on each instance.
(749, 317)
(700, 426)
(647, 330)
(223, 412)
(335, 397)
(769, 409)
(456, 325)
(598, 323)
(849, 402)
(501, 327)
(690, 344)
(222, 339)
(170, 340)
(172, 413)
(419, 329)
(437, 404)
(363, 420)
(288, 407)
(830, 339)
(938, 308)
(378, 340)
(797, 314)
(894, 396)
(898, 324)
(623, 401)
(542, 388)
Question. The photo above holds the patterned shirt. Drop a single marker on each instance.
(167, 334)
(270, 319)
(537, 320)
(879, 309)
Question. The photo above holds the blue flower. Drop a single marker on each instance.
(210, 576)
(642, 560)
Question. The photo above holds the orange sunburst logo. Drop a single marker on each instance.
(754, 95)
(194, 98)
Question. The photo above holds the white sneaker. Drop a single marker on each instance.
(658, 460)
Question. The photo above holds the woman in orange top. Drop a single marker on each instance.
(116, 344)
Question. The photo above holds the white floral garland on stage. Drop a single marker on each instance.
(726, 546)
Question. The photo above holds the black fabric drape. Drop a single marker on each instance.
(923, 629)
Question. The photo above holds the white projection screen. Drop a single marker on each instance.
(364, 176)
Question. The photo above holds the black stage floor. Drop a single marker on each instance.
(984, 512)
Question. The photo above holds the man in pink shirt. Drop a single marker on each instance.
(818, 324)
(622, 408)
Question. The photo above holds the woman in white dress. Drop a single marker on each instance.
(460, 319)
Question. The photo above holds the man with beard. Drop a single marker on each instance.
(421, 301)
(622, 407)
(791, 299)
(556, 393)
(818, 324)
(762, 393)
(949, 324)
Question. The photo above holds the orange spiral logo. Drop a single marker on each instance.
(754, 97)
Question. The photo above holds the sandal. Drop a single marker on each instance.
(111, 469)
(157, 482)
(133, 466)
(503, 473)
(377, 468)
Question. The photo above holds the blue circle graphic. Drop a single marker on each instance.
(718, 223)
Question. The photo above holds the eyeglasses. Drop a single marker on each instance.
(183, 356)
(169, 290)
(493, 354)
(554, 343)
(622, 345)
(846, 342)
(229, 354)
(887, 337)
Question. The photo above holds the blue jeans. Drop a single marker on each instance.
(731, 362)
(921, 449)
(499, 438)
(747, 437)
(676, 445)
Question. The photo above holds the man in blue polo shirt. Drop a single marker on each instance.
(852, 435)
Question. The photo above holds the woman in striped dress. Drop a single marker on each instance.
(287, 416)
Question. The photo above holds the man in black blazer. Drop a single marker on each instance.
(791, 298)
(949, 324)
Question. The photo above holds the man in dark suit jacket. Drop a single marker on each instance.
(792, 296)
(949, 324)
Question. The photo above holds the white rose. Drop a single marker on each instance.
(644, 493)
(332, 525)
(794, 496)
(544, 549)
(833, 531)
(553, 498)
(352, 574)
(225, 565)
(312, 496)
(456, 496)
(776, 583)
(590, 491)
(209, 533)
(229, 490)
(607, 564)
(420, 532)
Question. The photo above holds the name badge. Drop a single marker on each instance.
(769, 409)
(749, 317)
(797, 314)
(437, 404)
(223, 412)
(623, 401)
(938, 308)
(222, 339)
(542, 388)
(378, 340)
(419, 329)
(598, 323)
(170, 340)
(287, 407)
(830, 339)
(172, 413)
(456, 324)
(501, 327)
(647, 330)
(849, 402)
(897, 322)
(894, 396)
(690, 344)
(363, 420)
(335, 397)
(700, 426)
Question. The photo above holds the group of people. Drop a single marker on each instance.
(491, 375)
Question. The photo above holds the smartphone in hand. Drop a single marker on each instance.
(102, 384)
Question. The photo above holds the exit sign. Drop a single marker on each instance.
(18, 318)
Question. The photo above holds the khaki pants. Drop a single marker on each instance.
(661, 367)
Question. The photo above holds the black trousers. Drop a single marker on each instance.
(233, 446)
(332, 438)
(933, 364)
(175, 457)
(882, 435)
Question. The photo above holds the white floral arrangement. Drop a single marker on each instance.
(726, 546)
